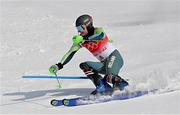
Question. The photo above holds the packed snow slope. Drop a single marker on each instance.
(36, 34)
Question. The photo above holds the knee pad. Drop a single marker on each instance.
(87, 69)
(84, 66)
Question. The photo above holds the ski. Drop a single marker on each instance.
(92, 99)
(54, 77)
(55, 102)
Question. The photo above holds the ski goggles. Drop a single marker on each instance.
(80, 28)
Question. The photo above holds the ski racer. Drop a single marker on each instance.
(97, 42)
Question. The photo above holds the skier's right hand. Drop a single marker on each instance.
(54, 68)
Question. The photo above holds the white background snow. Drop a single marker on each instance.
(36, 34)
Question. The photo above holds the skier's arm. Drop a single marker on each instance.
(77, 40)
(99, 33)
(68, 56)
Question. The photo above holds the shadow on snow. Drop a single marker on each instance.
(53, 93)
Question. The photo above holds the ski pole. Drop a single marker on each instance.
(58, 81)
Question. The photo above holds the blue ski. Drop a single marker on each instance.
(54, 77)
(92, 99)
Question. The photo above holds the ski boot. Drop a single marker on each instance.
(100, 84)
(102, 88)
(119, 83)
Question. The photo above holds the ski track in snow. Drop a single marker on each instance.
(36, 34)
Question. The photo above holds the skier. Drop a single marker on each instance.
(96, 41)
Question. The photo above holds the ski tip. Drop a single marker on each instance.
(65, 102)
(69, 102)
(55, 102)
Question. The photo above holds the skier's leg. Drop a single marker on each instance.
(113, 64)
(91, 69)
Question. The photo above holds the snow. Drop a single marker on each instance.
(36, 34)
